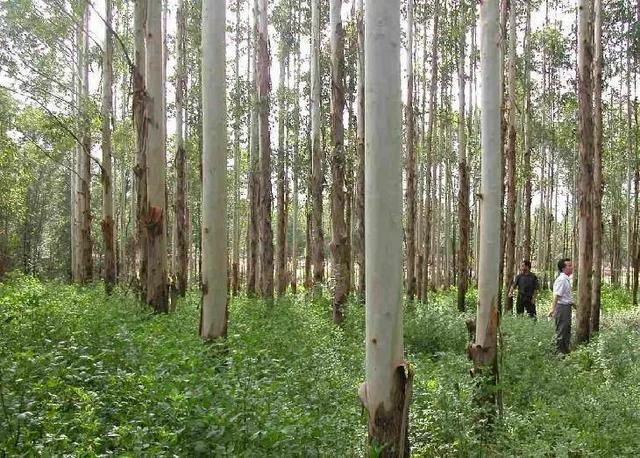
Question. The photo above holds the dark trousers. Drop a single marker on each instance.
(525, 303)
(563, 327)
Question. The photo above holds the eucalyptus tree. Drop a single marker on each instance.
(253, 188)
(387, 390)
(360, 134)
(410, 162)
(139, 107)
(484, 350)
(340, 240)
(156, 217)
(281, 207)
(585, 190)
(107, 169)
(295, 160)
(597, 169)
(527, 137)
(264, 89)
(317, 173)
(510, 222)
(84, 257)
(181, 259)
(464, 217)
(433, 94)
(213, 318)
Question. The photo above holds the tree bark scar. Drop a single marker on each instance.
(154, 221)
(389, 426)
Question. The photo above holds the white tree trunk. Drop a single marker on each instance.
(484, 350)
(213, 322)
(386, 391)
(157, 288)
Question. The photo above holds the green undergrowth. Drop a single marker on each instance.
(83, 374)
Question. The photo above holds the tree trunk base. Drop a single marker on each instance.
(389, 429)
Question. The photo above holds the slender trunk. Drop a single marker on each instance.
(281, 216)
(360, 134)
(181, 262)
(237, 114)
(213, 318)
(527, 137)
(76, 201)
(484, 351)
(585, 220)
(139, 109)
(156, 217)
(340, 236)
(463, 191)
(410, 196)
(253, 271)
(84, 255)
(107, 170)
(317, 174)
(597, 170)
(264, 89)
(635, 251)
(510, 222)
(429, 156)
(294, 172)
(387, 391)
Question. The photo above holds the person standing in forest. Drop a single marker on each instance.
(526, 282)
(562, 304)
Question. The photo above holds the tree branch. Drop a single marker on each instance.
(60, 123)
(116, 35)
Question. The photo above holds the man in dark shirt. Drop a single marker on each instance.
(527, 285)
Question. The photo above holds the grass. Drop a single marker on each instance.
(83, 374)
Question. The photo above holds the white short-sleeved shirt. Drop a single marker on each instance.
(562, 289)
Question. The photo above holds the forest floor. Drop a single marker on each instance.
(84, 374)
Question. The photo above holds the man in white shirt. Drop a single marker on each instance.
(562, 304)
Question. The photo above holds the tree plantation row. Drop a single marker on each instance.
(382, 149)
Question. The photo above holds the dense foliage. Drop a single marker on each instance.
(86, 374)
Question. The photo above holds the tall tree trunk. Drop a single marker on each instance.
(281, 217)
(410, 196)
(484, 351)
(253, 271)
(597, 170)
(317, 174)
(76, 199)
(360, 133)
(181, 262)
(84, 258)
(294, 172)
(463, 191)
(264, 89)
(340, 236)
(387, 391)
(237, 115)
(511, 160)
(429, 155)
(585, 219)
(139, 109)
(527, 137)
(157, 288)
(213, 318)
(107, 170)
